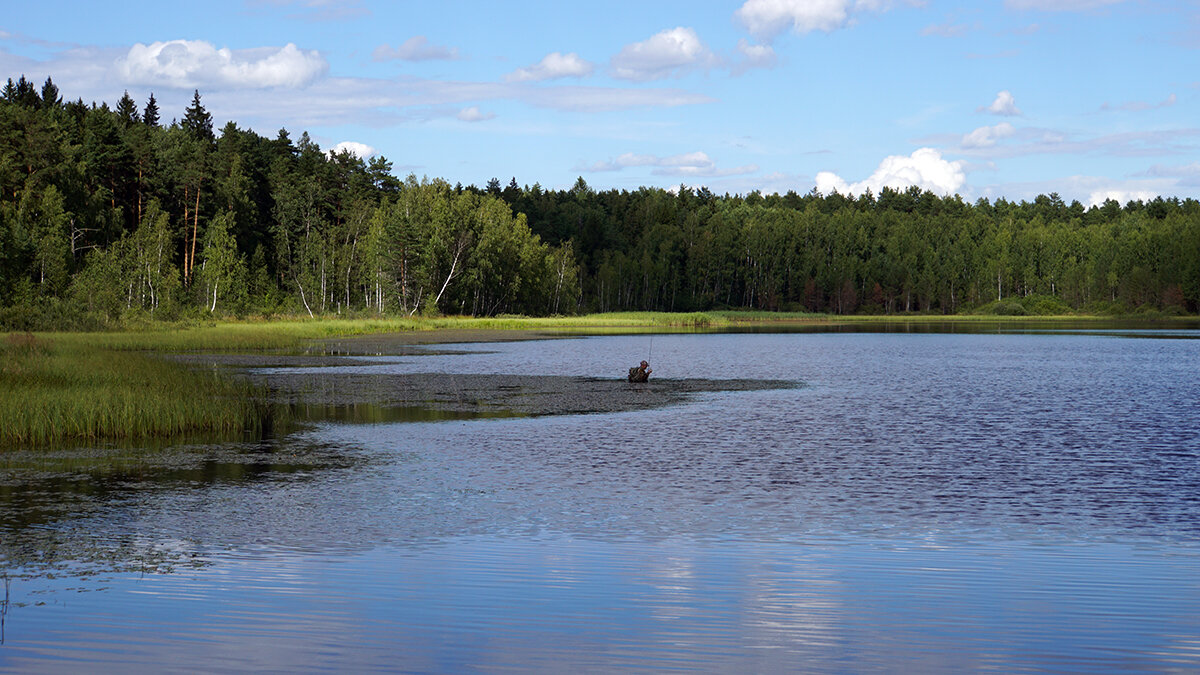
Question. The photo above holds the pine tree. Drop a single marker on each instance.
(50, 95)
(127, 110)
(150, 114)
(22, 93)
(198, 121)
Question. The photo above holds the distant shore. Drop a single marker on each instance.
(116, 384)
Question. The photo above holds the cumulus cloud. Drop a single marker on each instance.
(554, 66)
(767, 19)
(670, 53)
(1098, 197)
(474, 114)
(925, 169)
(688, 164)
(359, 150)
(986, 137)
(416, 48)
(190, 64)
(754, 56)
(1004, 105)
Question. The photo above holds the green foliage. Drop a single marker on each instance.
(1040, 305)
(52, 392)
(108, 218)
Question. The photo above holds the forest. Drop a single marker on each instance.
(110, 215)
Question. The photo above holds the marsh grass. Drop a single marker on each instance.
(50, 392)
(114, 385)
(291, 334)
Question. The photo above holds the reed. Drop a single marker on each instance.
(51, 392)
(112, 385)
(291, 334)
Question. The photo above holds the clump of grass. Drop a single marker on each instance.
(51, 392)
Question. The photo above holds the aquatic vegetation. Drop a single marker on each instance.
(52, 391)
(119, 385)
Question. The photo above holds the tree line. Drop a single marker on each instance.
(109, 213)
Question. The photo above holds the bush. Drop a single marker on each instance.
(1045, 305)
(1105, 308)
(1002, 308)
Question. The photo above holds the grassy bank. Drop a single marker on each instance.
(242, 336)
(52, 391)
(111, 385)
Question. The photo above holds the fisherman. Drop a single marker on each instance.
(640, 373)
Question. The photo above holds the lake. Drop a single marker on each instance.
(902, 502)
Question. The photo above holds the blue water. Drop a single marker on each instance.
(922, 503)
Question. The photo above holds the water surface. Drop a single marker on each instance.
(919, 502)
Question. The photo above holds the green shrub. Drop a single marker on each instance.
(1002, 308)
(1044, 305)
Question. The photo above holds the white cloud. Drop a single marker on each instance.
(359, 150)
(986, 137)
(925, 169)
(670, 53)
(554, 66)
(474, 114)
(767, 19)
(416, 48)
(1004, 105)
(1184, 175)
(1088, 190)
(688, 164)
(1121, 196)
(754, 56)
(1038, 141)
(191, 64)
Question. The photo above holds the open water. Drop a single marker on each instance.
(935, 502)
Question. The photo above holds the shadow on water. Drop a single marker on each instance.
(48, 496)
(371, 413)
(49, 493)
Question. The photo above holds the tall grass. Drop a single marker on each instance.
(292, 333)
(111, 385)
(51, 392)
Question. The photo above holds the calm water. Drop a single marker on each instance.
(922, 503)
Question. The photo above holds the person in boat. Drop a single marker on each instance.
(640, 373)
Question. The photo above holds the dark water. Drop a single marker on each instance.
(923, 503)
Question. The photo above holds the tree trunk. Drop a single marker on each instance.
(195, 227)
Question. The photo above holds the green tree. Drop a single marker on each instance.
(222, 267)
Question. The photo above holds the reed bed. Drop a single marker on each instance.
(112, 385)
(51, 392)
(291, 334)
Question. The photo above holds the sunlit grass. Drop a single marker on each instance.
(113, 385)
(287, 334)
(293, 333)
(52, 392)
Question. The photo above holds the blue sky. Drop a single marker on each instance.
(1087, 98)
